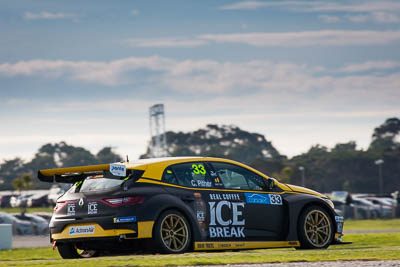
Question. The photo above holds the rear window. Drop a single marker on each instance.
(95, 183)
(105, 181)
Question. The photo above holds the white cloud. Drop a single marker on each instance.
(279, 82)
(376, 17)
(135, 12)
(384, 17)
(358, 18)
(373, 11)
(316, 6)
(107, 73)
(252, 5)
(329, 19)
(165, 42)
(47, 15)
(371, 65)
(281, 39)
(308, 38)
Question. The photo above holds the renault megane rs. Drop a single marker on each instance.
(173, 205)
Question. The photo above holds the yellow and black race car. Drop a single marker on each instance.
(172, 205)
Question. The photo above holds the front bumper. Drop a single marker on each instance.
(339, 220)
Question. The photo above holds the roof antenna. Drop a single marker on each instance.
(127, 159)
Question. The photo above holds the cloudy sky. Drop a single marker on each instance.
(299, 72)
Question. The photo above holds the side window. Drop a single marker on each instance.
(193, 174)
(235, 177)
(169, 177)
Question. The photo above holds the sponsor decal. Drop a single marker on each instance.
(125, 219)
(224, 197)
(201, 216)
(228, 228)
(81, 230)
(92, 208)
(81, 202)
(263, 199)
(339, 218)
(71, 209)
(200, 183)
(118, 169)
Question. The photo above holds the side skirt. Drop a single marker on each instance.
(198, 246)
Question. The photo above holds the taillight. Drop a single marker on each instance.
(124, 200)
(59, 206)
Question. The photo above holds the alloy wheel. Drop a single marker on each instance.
(174, 232)
(318, 228)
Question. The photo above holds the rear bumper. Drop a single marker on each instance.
(73, 231)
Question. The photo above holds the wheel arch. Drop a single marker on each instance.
(323, 205)
(188, 219)
(175, 203)
(297, 203)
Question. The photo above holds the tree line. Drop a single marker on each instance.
(344, 167)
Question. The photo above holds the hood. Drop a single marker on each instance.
(304, 190)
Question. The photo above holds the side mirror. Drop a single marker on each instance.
(270, 184)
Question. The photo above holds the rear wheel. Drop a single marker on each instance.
(172, 233)
(315, 228)
(70, 251)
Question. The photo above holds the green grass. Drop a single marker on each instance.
(385, 246)
(28, 210)
(378, 224)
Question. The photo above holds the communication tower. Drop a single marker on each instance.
(158, 142)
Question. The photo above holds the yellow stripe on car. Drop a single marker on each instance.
(244, 245)
(145, 229)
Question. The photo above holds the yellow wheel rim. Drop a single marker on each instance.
(174, 232)
(318, 228)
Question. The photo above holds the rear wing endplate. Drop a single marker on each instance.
(75, 174)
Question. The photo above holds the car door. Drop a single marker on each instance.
(194, 182)
(260, 213)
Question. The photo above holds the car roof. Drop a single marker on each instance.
(153, 168)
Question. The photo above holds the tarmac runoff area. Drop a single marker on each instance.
(31, 241)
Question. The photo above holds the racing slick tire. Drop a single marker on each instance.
(70, 251)
(172, 233)
(315, 228)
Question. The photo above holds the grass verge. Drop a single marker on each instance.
(385, 246)
(378, 224)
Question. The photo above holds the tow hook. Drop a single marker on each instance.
(54, 245)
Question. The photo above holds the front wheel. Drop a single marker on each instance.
(315, 228)
(70, 251)
(172, 233)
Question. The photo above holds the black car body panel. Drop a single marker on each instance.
(220, 215)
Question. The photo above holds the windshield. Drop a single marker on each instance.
(99, 183)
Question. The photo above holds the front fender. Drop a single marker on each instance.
(296, 204)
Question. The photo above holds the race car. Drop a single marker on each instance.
(174, 205)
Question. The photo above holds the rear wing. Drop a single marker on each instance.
(75, 174)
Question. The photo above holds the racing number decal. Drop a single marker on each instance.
(275, 199)
(198, 169)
